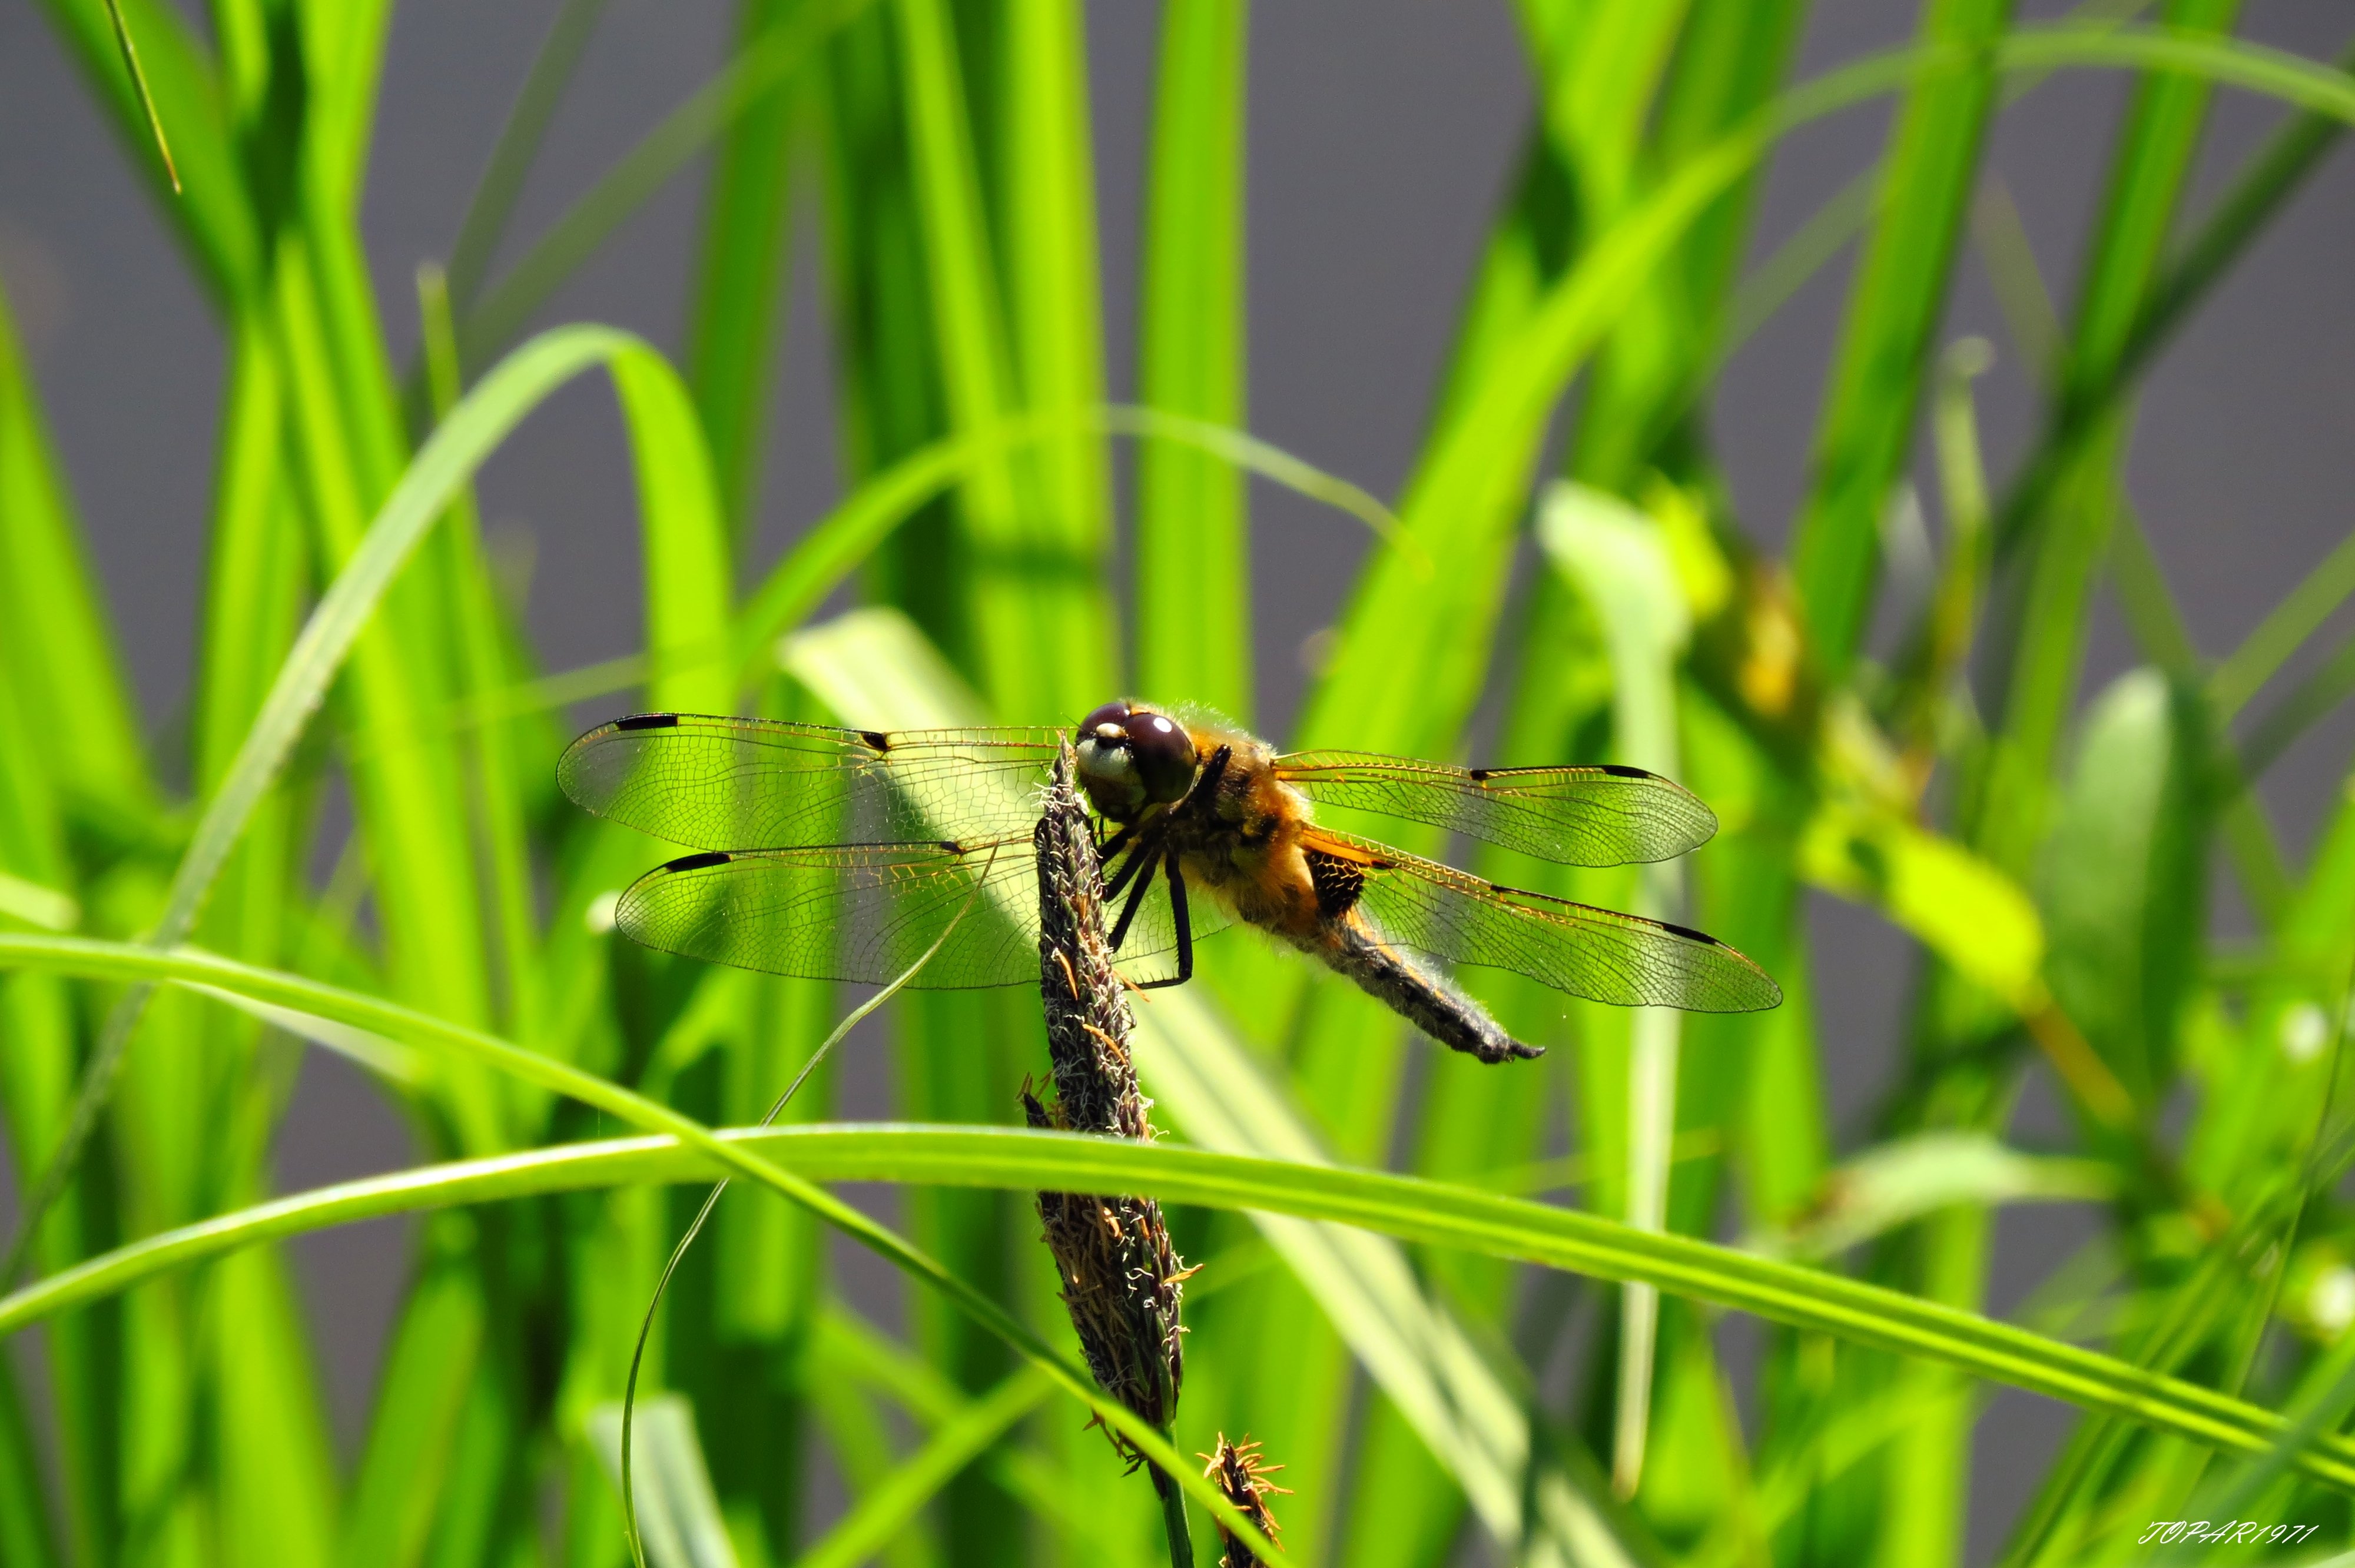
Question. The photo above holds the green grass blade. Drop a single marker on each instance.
(1618, 558)
(2146, 181)
(679, 1511)
(56, 645)
(210, 213)
(139, 86)
(495, 746)
(855, 1350)
(1192, 537)
(1045, 220)
(1020, 1159)
(1900, 290)
(334, 627)
(487, 211)
(2299, 616)
(683, 531)
(432, 1362)
(732, 336)
(2265, 184)
(142, 964)
(343, 51)
(508, 306)
(891, 1505)
(24, 1532)
(1041, 626)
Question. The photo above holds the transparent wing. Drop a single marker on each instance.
(746, 784)
(1440, 912)
(861, 913)
(1571, 816)
(864, 913)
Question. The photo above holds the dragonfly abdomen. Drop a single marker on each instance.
(1352, 944)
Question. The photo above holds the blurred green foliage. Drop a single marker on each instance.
(1395, 1346)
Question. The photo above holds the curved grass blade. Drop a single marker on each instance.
(136, 964)
(646, 1326)
(475, 429)
(1021, 1160)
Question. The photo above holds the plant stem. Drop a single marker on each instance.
(1173, 1517)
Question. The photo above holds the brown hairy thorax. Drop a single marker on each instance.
(1245, 845)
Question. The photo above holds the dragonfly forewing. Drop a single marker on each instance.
(1600, 815)
(738, 784)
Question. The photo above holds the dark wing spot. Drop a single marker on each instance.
(876, 738)
(1690, 935)
(699, 861)
(1338, 883)
(1480, 774)
(1621, 771)
(953, 846)
(648, 721)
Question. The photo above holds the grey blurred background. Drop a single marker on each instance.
(1381, 133)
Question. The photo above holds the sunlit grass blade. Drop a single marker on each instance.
(133, 962)
(1033, 580)
(1192, 539)
(59, 653)
(1045, 225)
(889, 1505)
(1019, 1160)
(676, 1507)
(1894, 307)
(734, 320)
(335, 625)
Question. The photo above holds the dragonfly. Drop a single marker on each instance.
(844, 854)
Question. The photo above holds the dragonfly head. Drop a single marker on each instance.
(1132, 757)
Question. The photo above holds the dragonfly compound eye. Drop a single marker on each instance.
(1165, 755)
(1131, 757)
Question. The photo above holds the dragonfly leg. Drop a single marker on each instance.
(1114, 845)
(1139, 852)
(1184, 924)
(1136, 893)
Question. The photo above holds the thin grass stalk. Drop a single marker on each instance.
(2266, 181)
(126, 961)
(850, 1021)
(484, 224)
